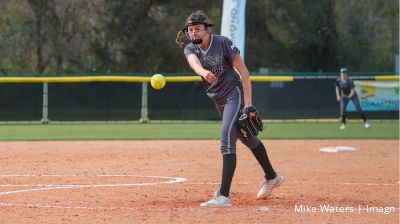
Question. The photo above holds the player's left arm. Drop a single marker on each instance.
(238, 63)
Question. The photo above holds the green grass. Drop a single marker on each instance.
(187, 131)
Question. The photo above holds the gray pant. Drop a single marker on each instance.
(229, 110)
(345, 102)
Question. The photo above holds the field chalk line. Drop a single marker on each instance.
(45, 187)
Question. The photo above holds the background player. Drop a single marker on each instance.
(214, 58)
(344, 93)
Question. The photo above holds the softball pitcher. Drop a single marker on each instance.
(344, 93)
(215, 58)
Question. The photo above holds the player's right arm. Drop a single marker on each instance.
(337, 89)
(337, 94)
(195, 64)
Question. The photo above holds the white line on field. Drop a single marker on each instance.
(248, 183)
(213, 183)
(241, 208)
(372, 184)
(63, 206)
(44, 187)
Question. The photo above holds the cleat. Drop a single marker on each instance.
(342, 127)
(217, 201)
(367, 125)
(268, 185)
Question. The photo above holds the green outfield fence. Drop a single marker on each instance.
(47, 97)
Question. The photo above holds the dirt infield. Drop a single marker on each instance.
(165, 181)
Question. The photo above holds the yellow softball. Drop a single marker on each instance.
(157, 81)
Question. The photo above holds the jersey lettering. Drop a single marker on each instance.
(213, 63)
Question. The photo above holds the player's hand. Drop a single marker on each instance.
(338, 99)
(249, 109)
(210, 77)
(345, 97)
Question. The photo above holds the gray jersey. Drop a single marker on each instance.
(345, 85)
(218, 59)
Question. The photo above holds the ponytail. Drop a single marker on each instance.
(180, 38)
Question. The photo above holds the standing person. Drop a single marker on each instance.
(344, 93)
(214, 58)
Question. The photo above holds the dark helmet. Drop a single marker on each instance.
(343, 70)
(197, 18)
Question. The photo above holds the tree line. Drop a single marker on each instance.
(138, 36)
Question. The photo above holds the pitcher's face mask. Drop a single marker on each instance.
(196, 33)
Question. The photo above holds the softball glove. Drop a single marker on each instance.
(250, 124)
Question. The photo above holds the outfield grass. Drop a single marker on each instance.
(187, 131)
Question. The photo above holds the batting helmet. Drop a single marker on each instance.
(343, 70)
(197, 18)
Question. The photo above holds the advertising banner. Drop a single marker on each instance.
(377, 95)
(233, 24)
